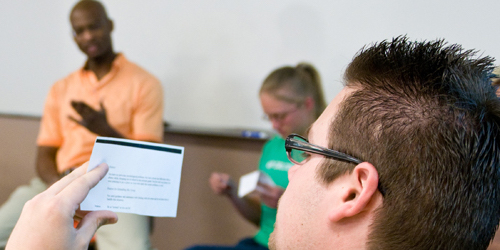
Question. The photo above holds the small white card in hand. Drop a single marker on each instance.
(250, 182)
(143, 177)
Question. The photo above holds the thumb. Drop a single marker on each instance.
(92, 221)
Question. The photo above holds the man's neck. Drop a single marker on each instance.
(354, 233)
(101, 65)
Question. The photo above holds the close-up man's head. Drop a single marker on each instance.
(91, 28)
(424, 120)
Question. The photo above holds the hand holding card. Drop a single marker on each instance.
(143, 178)
(252, 182)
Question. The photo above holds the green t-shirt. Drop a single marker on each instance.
(275, 163)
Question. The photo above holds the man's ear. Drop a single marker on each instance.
(359, 188)
(111, 25)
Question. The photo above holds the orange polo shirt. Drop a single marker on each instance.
(133, 100)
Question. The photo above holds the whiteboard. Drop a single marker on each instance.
(212, 55)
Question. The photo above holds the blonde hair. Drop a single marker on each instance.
(303, 80)
(495, 80)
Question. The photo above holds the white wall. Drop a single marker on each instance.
(212, 55)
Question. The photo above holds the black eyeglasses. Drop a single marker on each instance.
(298, 149)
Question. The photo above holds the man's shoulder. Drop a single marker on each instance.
(68, 79)
(134, 70)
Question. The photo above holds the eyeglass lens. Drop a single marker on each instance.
(296, 155)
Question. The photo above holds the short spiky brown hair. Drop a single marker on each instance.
(426, 116)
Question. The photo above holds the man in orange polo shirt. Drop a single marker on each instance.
(109, 96)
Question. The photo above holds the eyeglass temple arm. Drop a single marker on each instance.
(304, 146)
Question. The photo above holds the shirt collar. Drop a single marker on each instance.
(115, 66)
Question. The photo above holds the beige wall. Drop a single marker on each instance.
(201, 218)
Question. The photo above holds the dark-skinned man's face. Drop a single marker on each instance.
(91, 31)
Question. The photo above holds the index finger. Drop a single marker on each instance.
(66, 180)
(78, 189)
